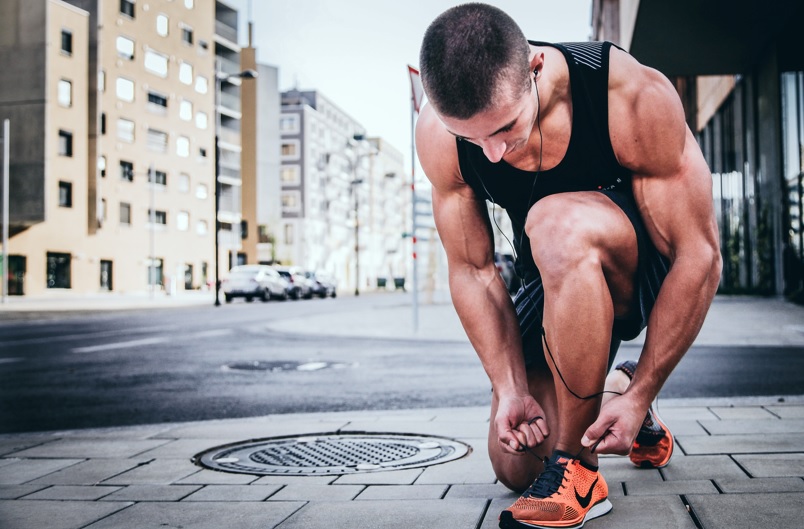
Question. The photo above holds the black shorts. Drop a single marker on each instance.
(652, 268)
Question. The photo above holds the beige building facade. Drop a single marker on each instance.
(121, 195)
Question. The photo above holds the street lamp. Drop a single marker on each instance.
(220, 77)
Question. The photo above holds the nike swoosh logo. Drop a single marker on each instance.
(583, 501)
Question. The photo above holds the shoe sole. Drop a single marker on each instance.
(648, 464)
(599, 509)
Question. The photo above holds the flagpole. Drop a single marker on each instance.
(413, 214)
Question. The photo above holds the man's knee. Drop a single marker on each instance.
(562, 236)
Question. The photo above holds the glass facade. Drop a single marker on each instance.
(792, 88)
(756, 228)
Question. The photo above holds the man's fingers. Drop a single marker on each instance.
(541, 424)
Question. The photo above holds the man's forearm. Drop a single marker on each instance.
(674, 323)
(488, 317)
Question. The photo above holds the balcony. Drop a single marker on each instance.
(227, 66)
(226, 31)
(230, 102)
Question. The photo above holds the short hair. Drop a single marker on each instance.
(466, 54)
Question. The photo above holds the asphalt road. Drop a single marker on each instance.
(84, 370)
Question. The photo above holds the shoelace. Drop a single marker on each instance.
(548, 481)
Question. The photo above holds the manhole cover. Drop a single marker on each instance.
(277, 366)
(331, 454)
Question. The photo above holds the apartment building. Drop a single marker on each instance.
(43, 92)
(337, 193)
(740, 74)
(113, 112)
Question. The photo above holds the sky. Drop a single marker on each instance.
(356, 52)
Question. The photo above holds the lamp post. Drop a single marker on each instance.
(6, 150)
(220, 77)
(354, 183)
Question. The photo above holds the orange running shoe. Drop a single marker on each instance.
(653, 446)
(566, 494)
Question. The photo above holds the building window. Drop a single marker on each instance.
(157, 103)
(156, 63)
(187, 34)
(125, 48)
(185, 110)
(201, 191)
(65, 194)
(58, 270)
(65, 143)
(288, 233)
(291, 201)
(125, 130)
(127, 8)
(157, 177)
(67, 42)
(102, 212)
(290, 149)
(103, 123)
(201, 120)
(162, 24)
(289, 174)
(183, 221)
(156, 271)
(156, 216)
(126, 170)
(184, 182)
(189, 4)
(101, 80)
(157, 140)
(102, 165)
(204, 45)
(201, 227)
(202, 152)
(125, 213)
(124, 89)
(201, 84)
(186, 73)
(183, 146)
(289, 124)
(65, 93)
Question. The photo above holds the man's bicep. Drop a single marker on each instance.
(678, 208)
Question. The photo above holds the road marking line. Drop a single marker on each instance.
(98, 334)
(10, 360)
(119, 345)
(211, 333)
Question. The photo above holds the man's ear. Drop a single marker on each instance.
(537, 63)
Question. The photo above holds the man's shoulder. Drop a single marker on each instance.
(436, 148)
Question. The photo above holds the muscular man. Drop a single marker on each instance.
(610, 201)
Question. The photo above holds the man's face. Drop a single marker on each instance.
(501, 130)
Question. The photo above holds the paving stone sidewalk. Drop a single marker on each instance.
(739, 464)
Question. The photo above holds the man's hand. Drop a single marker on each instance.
(520, 423)
(616, 427)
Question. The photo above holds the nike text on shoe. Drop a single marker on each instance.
(567, 494)
(654, 443)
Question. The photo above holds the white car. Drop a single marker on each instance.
(254, 281)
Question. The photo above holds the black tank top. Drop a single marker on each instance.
(589, 163)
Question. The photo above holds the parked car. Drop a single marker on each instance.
(505, 265)
(322, 284)
(254, 281)
(298, 285)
